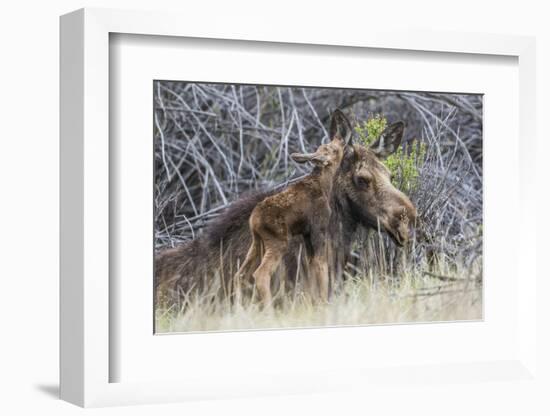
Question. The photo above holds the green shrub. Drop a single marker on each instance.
(371, 129)
(404, 164)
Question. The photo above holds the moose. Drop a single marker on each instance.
(301, 209)
(362, 196)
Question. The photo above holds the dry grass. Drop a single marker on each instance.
(413, 297)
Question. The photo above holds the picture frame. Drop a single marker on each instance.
(86, 303)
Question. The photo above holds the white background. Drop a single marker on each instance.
(29, 209)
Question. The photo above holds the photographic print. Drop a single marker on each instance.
(296, 207)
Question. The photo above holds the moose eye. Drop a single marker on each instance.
(363, 182)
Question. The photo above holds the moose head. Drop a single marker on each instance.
(364, 183)
(330, 153)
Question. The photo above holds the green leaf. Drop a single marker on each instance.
(404, 164)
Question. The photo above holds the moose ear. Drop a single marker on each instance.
(315, 158)
(302, 157)
(389, 140)
(350, 158)
(320, 160)
(340, 127)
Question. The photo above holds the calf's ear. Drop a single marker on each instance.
(302, 157)
(389, 140)
(340, 127)
(315, 158)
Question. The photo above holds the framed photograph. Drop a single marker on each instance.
(253, 214)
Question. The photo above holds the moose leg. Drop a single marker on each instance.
(262, 276)
(319, 264)
(309, 282)
(319, 268)
(251, 256)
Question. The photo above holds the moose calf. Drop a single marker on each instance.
(301, 209)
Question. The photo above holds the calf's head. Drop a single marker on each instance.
(326, 155)
(330, 154)
(366, 185)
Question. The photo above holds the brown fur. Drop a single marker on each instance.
(302, 209)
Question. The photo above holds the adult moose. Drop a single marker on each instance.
(362, 195)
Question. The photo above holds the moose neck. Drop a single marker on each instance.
(343, 222)
(325, 177)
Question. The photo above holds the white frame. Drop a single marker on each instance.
(85, 195)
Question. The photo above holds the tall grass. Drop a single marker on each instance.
(410, 294)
